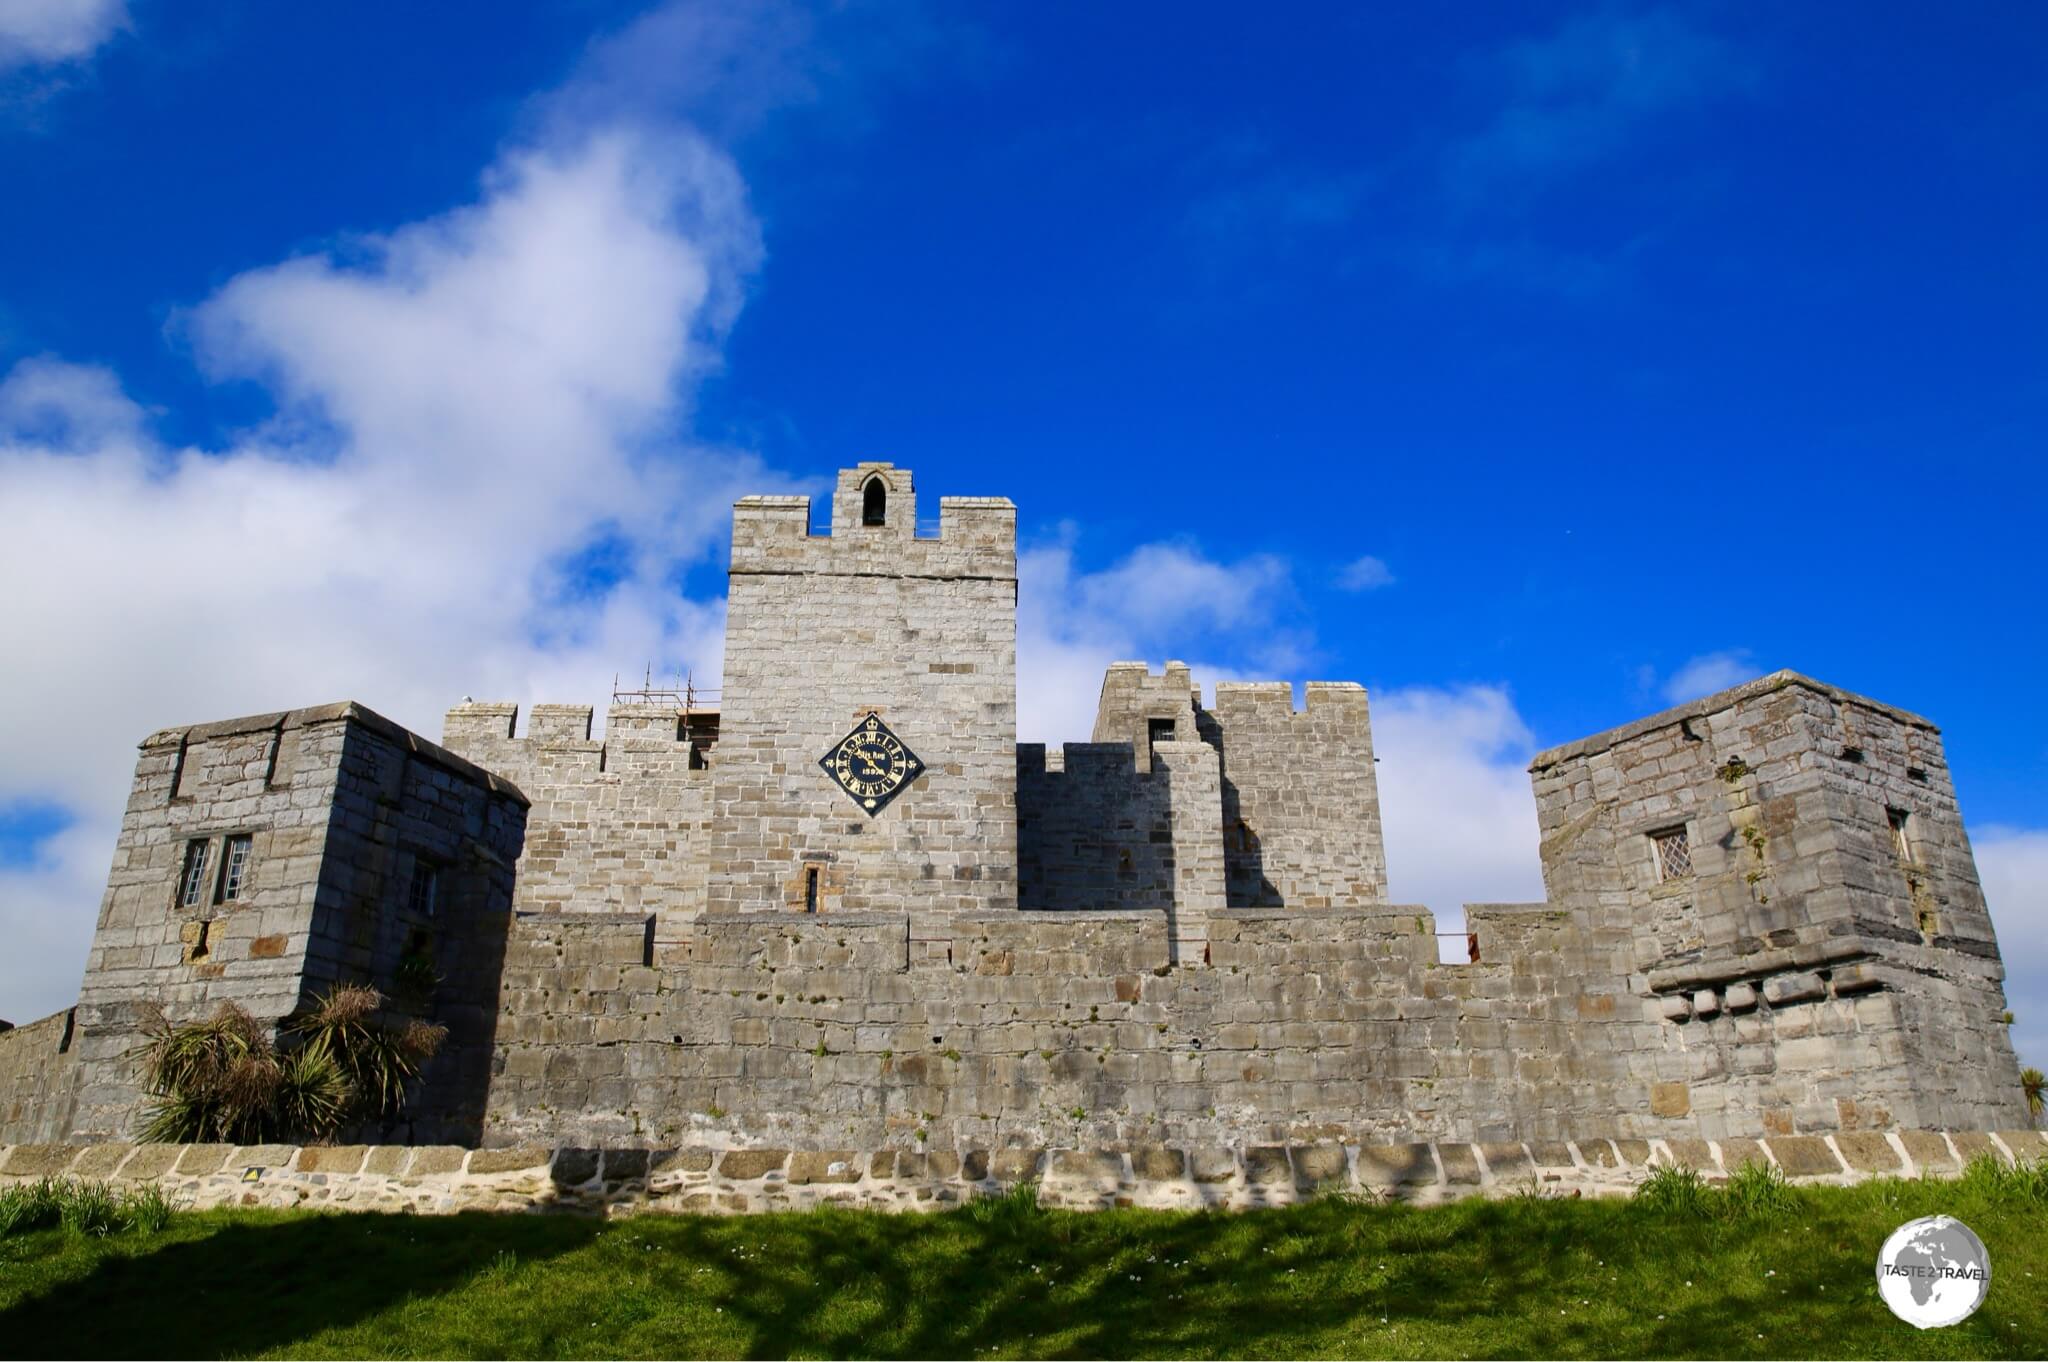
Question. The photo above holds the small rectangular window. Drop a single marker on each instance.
(192, 888)
(234, 869)
(1674, 854)
(1902, 846)
(425, 893)
(1158, 731)
(811, 889)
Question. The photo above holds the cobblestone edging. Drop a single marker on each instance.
(444, 1178)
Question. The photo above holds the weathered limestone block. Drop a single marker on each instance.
(1785, 989)
(1460, 1167)
(516, 1159)
(1670, 1099)
(1321, 1167)
(743, 1165)
(1868, 1151)
(100, 1160)
(839, 1165)
(1265, 1165)
(1928, 1150)
(200, 1159)
(338, 1158)
(435, 1161)
(38, 1160)
(1803, 1156)
(1506, 1161)
(1157, 1163)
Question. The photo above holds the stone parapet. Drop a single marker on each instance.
(441, 1179)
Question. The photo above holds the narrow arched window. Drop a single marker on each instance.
(874, 503)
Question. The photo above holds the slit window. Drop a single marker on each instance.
(423, 897)
(874, 503)
(192, 887)
(1674, 854)
(1902, 845)
(234, 870)
(810, 889)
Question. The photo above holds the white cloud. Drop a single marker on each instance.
(1455, 800)
(464, 405)
(1364, 574)
(1071, 625)
(1709, 672)
(37, 32)
(1579, 94)
(2013, 864)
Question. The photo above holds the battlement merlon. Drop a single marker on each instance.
(977, 536)
(348, 711)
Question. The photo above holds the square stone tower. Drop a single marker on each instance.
(824, 630)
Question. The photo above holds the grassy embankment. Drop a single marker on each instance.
(1759, 1270)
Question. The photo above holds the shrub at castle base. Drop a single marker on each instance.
(845, 909)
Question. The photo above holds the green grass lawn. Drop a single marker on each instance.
(1512, 1278)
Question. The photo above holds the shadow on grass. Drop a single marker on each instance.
(1501, 1279)
(264, 1280)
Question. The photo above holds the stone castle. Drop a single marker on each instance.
(846, 908)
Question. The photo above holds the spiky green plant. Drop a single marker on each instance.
(224, 1079)
(2034, 1085)
(214, 1079)
(376, 1060)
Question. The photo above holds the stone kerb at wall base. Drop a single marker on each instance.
(442, 1179)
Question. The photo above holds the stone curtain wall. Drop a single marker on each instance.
(1806, 973)
(823, 629)
(708, 1180)
(1093, 831)
(38, 1076)
(1050, 1027)
(617, 826)
(1301, 804)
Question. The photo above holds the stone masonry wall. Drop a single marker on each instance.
(1136, 705)
(1044, 1027)
(439, 1180)
(1301, 807)
(820, 631)
(616, 826)
(1810, 968)
(38, 1079)
(1093, 831)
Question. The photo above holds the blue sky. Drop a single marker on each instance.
(1534, 367)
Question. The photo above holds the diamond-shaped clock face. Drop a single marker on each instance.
(871, 765)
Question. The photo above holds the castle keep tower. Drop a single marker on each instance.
(824, 631)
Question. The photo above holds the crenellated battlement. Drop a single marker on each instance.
(874, 529)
